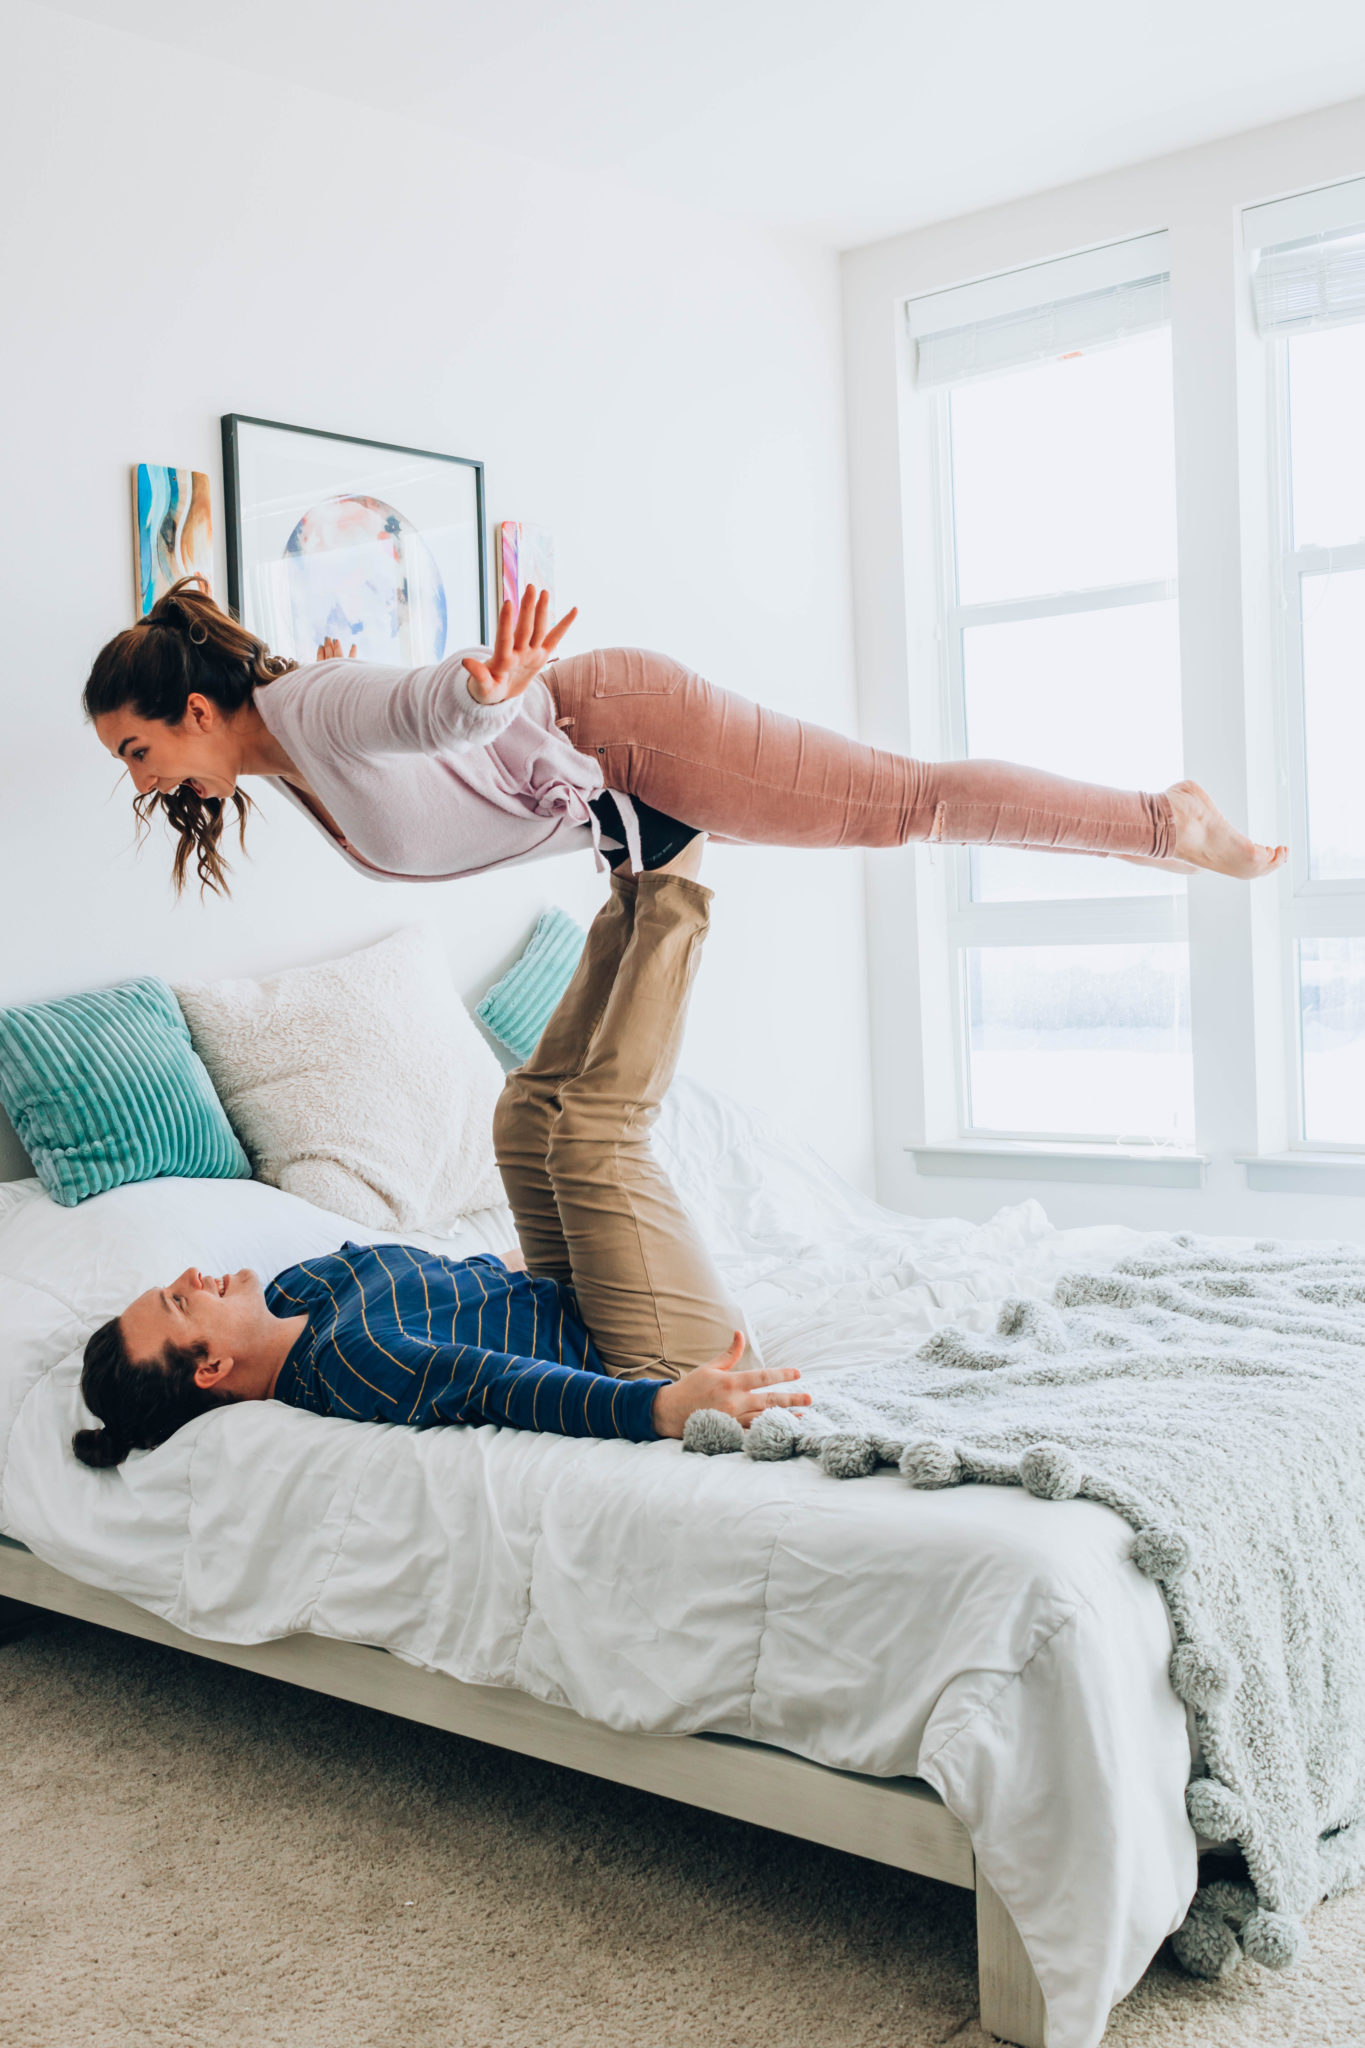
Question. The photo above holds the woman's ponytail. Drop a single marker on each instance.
(185, 644)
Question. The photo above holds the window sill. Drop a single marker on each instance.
(1306, 1173)
(1125, 1165)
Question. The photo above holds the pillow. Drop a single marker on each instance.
(361, 1084)
(107, 1088)
(517, 1008)
(91, 1261)
(62, 1272)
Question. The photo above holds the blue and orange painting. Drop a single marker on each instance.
(173, 515)
(360, 572)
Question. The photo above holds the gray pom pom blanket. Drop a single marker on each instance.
(1215, 1399)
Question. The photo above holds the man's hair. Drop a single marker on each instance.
(140, 1401)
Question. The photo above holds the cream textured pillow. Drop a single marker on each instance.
(361, 1084)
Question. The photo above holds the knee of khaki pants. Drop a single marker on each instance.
(520, 1119)
(585, 1139)
(649, 1292)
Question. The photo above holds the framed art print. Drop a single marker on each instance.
(172, 529)
(526, 554)
(331, 537)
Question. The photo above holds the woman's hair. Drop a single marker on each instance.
(185, 644)
(139, 1403)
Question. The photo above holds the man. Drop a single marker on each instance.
(612, 1321)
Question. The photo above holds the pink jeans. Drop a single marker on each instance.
(731, 767)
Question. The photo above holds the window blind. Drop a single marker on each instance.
(1313, 283)
(1039, 334)
(1307, 258)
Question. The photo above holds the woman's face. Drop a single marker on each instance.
(200, 751)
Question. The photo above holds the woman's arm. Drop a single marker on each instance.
(361, 709)
(446, 707)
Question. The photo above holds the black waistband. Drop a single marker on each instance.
(660, 836)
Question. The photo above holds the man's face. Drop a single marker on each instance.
(226, 1314)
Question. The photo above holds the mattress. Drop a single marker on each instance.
(1002, 1648)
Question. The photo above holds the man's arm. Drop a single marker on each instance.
(460, 1383)
(535, 1393)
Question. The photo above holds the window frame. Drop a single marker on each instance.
(1161, 917)
(1322, 908)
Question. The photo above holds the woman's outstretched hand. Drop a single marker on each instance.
(520, 651)
(330, 650)
(741, 1394)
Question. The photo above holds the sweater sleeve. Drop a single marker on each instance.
(362, 709)
(535, 1393)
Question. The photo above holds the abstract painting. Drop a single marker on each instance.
(526, 554)
(330, 537)
(173, 520)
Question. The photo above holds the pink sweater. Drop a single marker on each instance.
(426, 783)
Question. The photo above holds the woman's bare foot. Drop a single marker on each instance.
(687, 863)
(1205, 839)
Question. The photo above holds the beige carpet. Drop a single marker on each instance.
(198, 1858)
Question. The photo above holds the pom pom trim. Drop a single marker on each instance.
(712, 1433)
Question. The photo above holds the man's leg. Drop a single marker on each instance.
(529, 1103)
(646, 1286)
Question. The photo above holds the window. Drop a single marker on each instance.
(1308, 283)
(1054, 443)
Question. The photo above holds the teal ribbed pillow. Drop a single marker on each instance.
(107, 1088)
(517, 1008)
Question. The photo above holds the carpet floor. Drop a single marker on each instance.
(195, 1857)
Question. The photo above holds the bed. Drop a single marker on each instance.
(969, 1684)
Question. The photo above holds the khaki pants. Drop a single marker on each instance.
(593, 1208)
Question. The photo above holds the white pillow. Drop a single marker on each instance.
(91, 1260)
(361, 1084)
(63, 1272)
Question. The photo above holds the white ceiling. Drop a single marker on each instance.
(846, 119)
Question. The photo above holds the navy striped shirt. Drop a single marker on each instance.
(400, 1335)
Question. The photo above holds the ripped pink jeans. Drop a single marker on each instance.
(733, 768)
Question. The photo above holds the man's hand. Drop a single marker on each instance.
(330, 650)
(741, 1394)
(520, 651)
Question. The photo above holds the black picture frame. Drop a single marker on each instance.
(233, 425)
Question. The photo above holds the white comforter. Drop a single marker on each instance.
(1002, 1648)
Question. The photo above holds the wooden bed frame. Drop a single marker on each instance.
(899, 1821)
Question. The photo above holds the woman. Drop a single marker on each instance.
(482, 759)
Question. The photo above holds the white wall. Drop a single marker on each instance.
(662, 389)
(1224, 542)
